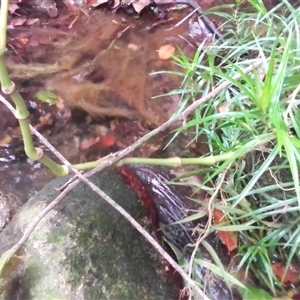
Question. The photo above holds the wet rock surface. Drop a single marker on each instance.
(84, 249)
(169, 205)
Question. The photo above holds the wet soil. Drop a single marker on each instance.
(99, 66)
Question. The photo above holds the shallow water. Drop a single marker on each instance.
(99, 63)
(102, 65)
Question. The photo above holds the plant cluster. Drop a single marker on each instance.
(258, 119)
(253, 135)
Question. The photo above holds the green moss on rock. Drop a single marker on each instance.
(84, 249)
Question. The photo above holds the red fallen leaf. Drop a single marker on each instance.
(291, 277)
(108, 140)
(227, 237)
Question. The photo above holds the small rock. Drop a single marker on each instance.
(133, 47)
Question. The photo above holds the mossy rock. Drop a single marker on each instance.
(84, 249)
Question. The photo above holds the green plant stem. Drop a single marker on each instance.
(22, 114)
(57, 169)
(168, 162)
(4, 78)
(3, 24)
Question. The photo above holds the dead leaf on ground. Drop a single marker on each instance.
(227, 237)
(5, 141)
(94, 3)
(22, 41)
(17, 21)
(88, 143)
(30, 22)
(291, 277)
(44, 121)
(60, 104)
(42, 39)
(140, 5)
(224, 108)
(12, 7)
(166, 52)
(261, 74)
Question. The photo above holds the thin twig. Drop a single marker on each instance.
(208, 225)
(183, 20)
(181, 117)
(117, 207)
(115, 158)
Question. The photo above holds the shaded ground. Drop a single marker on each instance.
(100, 63)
